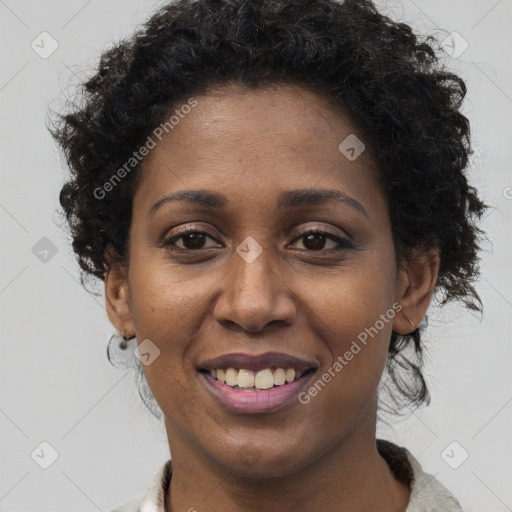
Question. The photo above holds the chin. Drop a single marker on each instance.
(262, 460)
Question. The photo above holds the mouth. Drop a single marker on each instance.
(250, 380)
(252, 384)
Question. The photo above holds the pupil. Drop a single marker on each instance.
(196, 238)
(315, 237)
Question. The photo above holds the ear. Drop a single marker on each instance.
(117, 297)
(416, 283)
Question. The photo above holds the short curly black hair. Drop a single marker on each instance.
(393, 86)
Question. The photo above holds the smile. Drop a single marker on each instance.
(251, 384)
(254, 400)
(254, 381)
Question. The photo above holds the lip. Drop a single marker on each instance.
(258, 362)
(256, 402)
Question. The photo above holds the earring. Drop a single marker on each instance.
(122, 339)
(126, 338)
(411, 322)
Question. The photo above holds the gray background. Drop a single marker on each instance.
(56, 384)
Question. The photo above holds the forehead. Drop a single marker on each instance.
(285, 114)
(279, 137)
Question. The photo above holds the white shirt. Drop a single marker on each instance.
(427, 493)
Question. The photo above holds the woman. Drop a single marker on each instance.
(273, 192)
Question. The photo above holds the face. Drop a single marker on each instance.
(263, 276)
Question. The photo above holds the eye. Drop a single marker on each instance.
(314, 240)
(192, 240)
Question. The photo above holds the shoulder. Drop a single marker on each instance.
(129, 506)
(154, 497)
(427, 493)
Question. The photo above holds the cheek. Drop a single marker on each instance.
(345, 304)
(344, 388)
(169, 311)
(351, 316)
(162, 302)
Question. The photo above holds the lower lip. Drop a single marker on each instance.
(253, 402)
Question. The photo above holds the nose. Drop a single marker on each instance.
(255, 294)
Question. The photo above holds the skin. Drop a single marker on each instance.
(251, 146)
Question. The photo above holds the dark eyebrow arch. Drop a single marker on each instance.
(199, 197)
(289, 199)
(315, 196)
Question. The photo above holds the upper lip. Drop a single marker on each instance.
(257, 362)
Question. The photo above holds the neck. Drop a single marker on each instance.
(352, 474)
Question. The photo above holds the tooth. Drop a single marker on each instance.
(264, 379)
(279, 377)
(290, 375)
(221, 375)
(231, 377)
(245, 378)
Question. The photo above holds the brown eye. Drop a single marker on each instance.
(315, 240)
(192, 240)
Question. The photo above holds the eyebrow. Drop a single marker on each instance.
(289, 199)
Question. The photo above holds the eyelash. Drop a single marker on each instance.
(343, 243)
